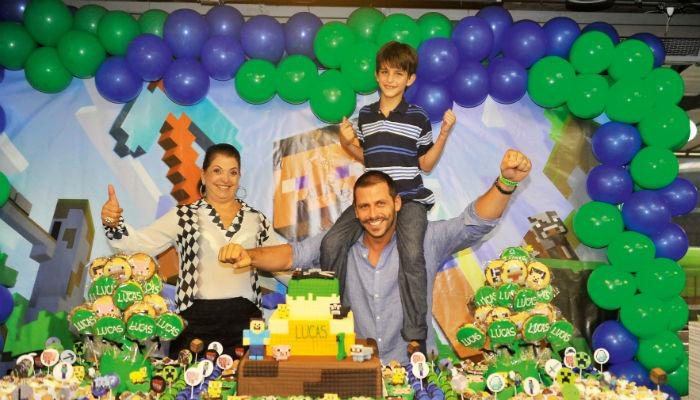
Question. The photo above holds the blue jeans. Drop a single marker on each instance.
(411, 224)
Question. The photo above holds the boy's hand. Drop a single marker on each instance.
(347, 133)
(448, 121)
(515, 165)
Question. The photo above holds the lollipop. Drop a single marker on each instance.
(538, 276)
(143, 266)
(118, 267)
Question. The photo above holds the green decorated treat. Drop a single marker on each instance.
(502, 332)
(524, 300)
(485, 296)
(169, 326)
(102, 286)
(154, 285)
(83, 319)
(127, 294)
(141, 327)
(110, 328)
(545, 295)
(470, 336)
(560, 334)
(505, 294)
(515, 253)
(536, 328)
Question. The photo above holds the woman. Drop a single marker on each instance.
(217, 301)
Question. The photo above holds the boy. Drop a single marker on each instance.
(396, 138)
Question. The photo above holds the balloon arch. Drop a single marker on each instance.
(635, 190)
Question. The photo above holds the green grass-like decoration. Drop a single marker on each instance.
(318, 287)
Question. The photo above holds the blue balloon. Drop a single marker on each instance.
(263, 37)
(186, 81)
(670, 241)
(681, 196)
(3, 121)
(473, 38)
(222, 56)
(560, 33)
(616, 143)
(299, 33)
(434, 98)
(224, 20)
(655, 44)
(149, 56)
(524, 42)
(6, 304)
(620, 343)
(13, 10)
(116, 81)
(609, 184)
(604, 27)
(645, 212)
(185, 31)
(2, 74)
(410, 93)
(469, 85)
(499, 19)
(507, 80)
(631, 371)
(437, 59)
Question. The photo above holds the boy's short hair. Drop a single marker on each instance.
(398, 55)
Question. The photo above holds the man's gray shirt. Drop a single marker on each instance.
(373, 292)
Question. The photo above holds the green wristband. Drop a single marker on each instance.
(507, 181)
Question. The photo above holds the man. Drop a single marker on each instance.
(369, 280)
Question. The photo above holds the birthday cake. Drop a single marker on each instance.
(312, 348)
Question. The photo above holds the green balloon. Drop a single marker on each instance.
(643, 316)
(664, 279)
(631, 251)
(365, 22)
(359, 66)
(597, 223)
(87, 18)
(664, 351)
(296, 75)
(678, 379)
(332, 42)
(666, 85)
(5, 189)
(152, 21)
(550, 81)
(400, 28)
(591, 53)
(434, 25)
(15, 45)
(629, 100)
(45, 72)
(256, 81)
(632, 59)
(678, 313)
(116, 30)
(47, 20)
(588, 96)
(667, 126)
(610, 288)
(654, 167)
(81, 53)
(332, 97)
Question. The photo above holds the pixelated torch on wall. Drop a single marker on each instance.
(313, 178)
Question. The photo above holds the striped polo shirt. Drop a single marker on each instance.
(393, 145)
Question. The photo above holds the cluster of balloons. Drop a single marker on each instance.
(632, 357)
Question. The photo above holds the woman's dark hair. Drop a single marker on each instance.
(223, 149)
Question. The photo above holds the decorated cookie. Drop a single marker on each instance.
(538, 275)
(485, 296)
(127, 294)
(544, 309)
(515, 253)
(140, 308)
(480, 316)
(525, 299)
(104, 306)
(498, 313)
(169, 326)
(141, 327)
(506, 293)
(119, 268)
(535, 328)
(153, 285)
(110, 328)
(96, 267)
(102, 286)
(143, 266)
(83, 319)
(471, 336)
(157, 302)
(494, 273)
(514, 271)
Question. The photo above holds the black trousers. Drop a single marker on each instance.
(221, 320)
